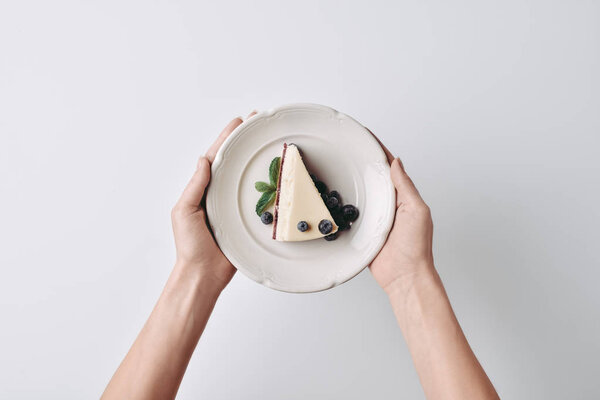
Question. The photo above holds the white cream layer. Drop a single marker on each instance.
(299, 200)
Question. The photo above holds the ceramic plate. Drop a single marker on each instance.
(341, 153)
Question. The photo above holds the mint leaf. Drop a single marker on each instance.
(274, 170)
(269, 191)
(265, 201)
(264, 187)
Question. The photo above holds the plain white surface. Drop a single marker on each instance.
(358, 169)
(105, 106)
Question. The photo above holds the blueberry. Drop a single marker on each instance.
(266, 218)
(302, 226)
(350, 213)
(334, 193)
(343, 226)
(321, 187)
(332, 203)
(325, 226)
(338, 217)
(331, 237)
(313, 177)
(324, 197)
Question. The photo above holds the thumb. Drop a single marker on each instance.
(194, 191)
(405, 188)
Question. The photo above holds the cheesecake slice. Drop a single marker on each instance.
(298, 200)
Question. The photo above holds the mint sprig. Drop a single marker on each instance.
(274, 171)
(268, 190)
(265, 201)
(264, 187)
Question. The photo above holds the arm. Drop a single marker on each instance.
(404, 268)
(156, 362)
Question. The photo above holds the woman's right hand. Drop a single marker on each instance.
(408, 250)
(446, 365)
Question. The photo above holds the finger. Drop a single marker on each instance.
(193, 192)
(388, 153)
(212, 151)
(253, 113)
(405, 188)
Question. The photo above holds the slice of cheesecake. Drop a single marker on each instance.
(298, 200)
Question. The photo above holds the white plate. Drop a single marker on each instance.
(340, 152)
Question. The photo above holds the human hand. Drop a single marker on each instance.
(408, 249)
(197, 250)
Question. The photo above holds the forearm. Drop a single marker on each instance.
(446, 365)
(155, 365)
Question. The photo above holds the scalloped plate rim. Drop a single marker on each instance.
(266, 281)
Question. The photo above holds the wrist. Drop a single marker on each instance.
(191, 276)
(411, 298)
(406, 282)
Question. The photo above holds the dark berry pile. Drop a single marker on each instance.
(343, 214)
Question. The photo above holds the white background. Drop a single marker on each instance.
(105, 106)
